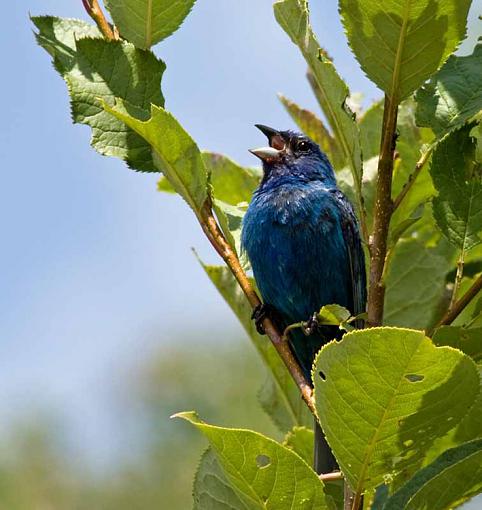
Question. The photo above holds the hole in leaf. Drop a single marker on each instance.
(322, 375)
(263, 461)
(414, 377)
(408, 443)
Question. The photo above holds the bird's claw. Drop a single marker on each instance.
(311, 325)
(261, 312)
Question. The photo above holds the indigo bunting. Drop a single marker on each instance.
(301, 237)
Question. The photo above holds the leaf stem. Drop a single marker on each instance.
(95, 12)
(412, 177)
(459, 305)
(458, 280)
(330, 477)
(383, 210)
(216, 237)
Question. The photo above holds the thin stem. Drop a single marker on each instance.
(458, 279)
(383, 210)
(459, 305)
(95, 12)
(216, 237)
(329, 477)
(412, 178)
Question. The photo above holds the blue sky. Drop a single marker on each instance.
(97, 266)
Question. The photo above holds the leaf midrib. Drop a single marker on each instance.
(148, 39)
(395, 86)
(371, 446)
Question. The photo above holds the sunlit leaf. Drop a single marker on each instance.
(268, 474)
(453, 95)
(146, 22)
(97, 70)
(384, 395)
(399, 44)
(175, 152)
(212, 490)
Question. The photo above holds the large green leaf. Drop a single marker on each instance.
(96, 70)
(400, 43)
(146, 22)
(453, 95)
(384, 395)
(212, 490)
(282, 398)
(314, 128)
(266, 473)
(175, 152)
(415, 282)
(451, 479)
(457, 177)
(331, 91)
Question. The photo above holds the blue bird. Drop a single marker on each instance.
(301, 236)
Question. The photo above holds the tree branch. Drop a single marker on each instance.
(217, 239)
(412, 177)
(95, 12)
(383, 210)
(459, 305)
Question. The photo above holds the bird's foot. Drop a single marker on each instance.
(311, 325)
(260, 313)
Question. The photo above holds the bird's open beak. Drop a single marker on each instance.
(276, 142)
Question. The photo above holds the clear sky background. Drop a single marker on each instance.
(97, 268)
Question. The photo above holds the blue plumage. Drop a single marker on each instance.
(301, 237)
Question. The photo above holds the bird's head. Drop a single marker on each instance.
(292, 157)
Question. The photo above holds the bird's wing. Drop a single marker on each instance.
(355, 253)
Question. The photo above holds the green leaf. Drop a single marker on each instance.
(58, 37)
(370, 125)
(266, 473)
(453, 95)
(96, 70)
(230, 219)
(468, 429)
(399, 44)
(273, 403)
(212, 490)
(451, 479)
(384, 395)
(314, 128)
(146, 22)
(294, 410)
(300, 440)
(333, 315)
(175, 152)
(466, 340)
(232, 183)
(415, 282)
(457, 176)
(330, 90)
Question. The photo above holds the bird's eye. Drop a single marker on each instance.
(302, 146)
